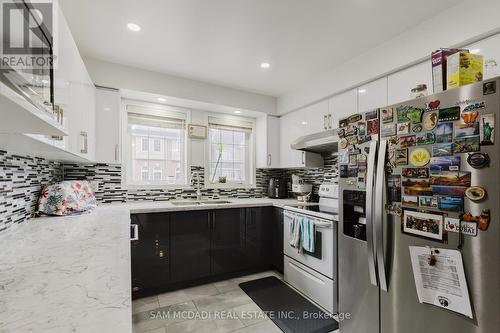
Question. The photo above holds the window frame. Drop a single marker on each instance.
(251, 182)
(167, 111)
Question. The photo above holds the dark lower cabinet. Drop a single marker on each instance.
(190, 245)
(228, 240)
(150, 252)
(182, 248)
(277, 239)
(258, 236)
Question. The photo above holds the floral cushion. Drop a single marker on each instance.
(66, 198)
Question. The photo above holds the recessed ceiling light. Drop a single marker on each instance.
(107, 109)
(237, 111)
(265, 65)
(475, 51)
(45, 81)
(133, 27)
(161, 99)
(304, 123)
(361, 91)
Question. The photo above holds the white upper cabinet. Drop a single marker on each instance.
(294, 125)
(75, 94)
(343, 105)
(315, 118)
(490, 49)
(108, 120)
(372, 95)
(267, 142)
(401, 83)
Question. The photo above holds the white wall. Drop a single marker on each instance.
(457, 26)
(124, 77)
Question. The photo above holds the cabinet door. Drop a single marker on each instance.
(343, 105)
(190, 245)
(314, 118)
(372, 95)
(400, 84)
(277, 239)
(150, 252)
(108, 104)
(273, 142)
(228, 240)
(290, 131)
(258, 236)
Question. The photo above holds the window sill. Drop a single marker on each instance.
(155, 187)
(230, 186)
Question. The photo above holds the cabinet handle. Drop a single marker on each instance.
(268, 159)
(85, 142)
(135, 232)
(330, 121)
(303, 158)
(116, 152)
(325, 126)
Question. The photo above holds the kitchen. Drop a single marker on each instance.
(217, 182)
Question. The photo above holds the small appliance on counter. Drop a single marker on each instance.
(277, 188)
(302, 192)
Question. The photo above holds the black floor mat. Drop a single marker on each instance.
(287, 308)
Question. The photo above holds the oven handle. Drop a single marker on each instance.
(369, 212)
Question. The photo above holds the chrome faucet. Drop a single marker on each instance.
(198, 184)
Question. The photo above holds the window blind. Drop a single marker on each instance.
(154, 117)
(230, 124)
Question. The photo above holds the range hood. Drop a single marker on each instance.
(325, 143)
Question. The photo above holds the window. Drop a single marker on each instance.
(157, 145)
(154, 146)
(145, 144)
(230, 159)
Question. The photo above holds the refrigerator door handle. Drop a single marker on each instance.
(379, 215)
(369, 212)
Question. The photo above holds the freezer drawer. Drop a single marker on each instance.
(315, 286)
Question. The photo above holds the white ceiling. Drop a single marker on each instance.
(224, 41)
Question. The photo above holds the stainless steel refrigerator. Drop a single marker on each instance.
(376, 283)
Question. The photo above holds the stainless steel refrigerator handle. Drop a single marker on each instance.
(369, 212)
(379, 217)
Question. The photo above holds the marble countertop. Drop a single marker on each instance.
(72, 274)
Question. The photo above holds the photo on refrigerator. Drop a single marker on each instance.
(423, 224)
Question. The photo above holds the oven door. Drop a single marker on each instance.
(323, 259)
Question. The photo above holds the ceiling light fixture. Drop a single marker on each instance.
(134, 27)
(237, 111)
(361, 91)
(107, 109)
(161, 99)
(304, 123)
(475, 51)
(265, 65)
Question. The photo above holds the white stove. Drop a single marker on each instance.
(315, 273)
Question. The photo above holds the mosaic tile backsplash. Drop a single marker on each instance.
(21, 180)
(23, 177)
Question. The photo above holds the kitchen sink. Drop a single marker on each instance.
(199, 202)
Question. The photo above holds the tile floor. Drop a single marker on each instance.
(196, 310)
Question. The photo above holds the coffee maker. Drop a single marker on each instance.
(277, 188)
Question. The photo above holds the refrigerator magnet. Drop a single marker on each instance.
(372, 127)
(483, 220)
(388, 130)
(401, 157)
(354, 118)
(487, 129)
(341, 132)
(430, 120)
(415, 115)
(475, 193)
(371, 115)
(343, 143)
(467, 144)
(432, 105)
(478, 160)
(407, 141)
(444, 133)
(410, 200)
(343, 123)
(489, 88)
(474, 106)
(403, 128)
(417, 128)
(449, 114)
(401, 112)
(361, 128)
(444, 149)
(388, 115)
(343, 171)
(455, 225)
(425, 138)
(420, 157)
(469, 117)
(423, 224)
(451, 204)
